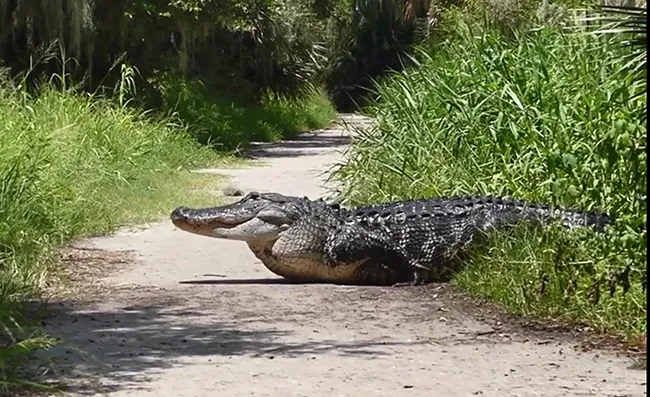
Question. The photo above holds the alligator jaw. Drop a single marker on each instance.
(204, 221)
(250, 219)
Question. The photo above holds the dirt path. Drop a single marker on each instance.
(183, 315)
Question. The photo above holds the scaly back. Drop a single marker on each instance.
(493, 211)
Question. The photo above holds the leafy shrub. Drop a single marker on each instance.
(544, 117)
(70, 165)
(215, 118)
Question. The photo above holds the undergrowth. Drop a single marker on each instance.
(221, 121)
(543, 116)
(74, 164)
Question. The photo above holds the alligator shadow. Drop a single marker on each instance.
(272, 281)
(243, 281)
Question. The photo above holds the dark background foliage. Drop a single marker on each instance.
(243, 47)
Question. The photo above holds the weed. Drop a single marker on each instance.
(72, 165)
(545, 116)
(222, 122)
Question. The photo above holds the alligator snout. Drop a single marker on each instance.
(186, 219)
(223, 217)
(180, 214)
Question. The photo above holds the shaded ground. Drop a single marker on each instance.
(175, 314)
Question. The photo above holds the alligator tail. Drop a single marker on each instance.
(597, 220)
(570, 218)
(507, 211)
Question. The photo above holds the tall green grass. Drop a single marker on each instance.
(72, 165)
(219, 120)
(543, 116)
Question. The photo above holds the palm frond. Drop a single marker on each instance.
(628, 24)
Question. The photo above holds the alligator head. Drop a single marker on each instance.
(257, 216)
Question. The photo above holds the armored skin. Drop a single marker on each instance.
(399, 243)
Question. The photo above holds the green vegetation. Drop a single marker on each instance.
(159, 88)
(73, 165)
(536, 114)
(225, 123)
(240, 47)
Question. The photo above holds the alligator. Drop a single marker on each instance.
(399, 243)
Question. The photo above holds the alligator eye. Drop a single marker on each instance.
(251, 196)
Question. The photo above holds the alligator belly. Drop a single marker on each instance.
(309, 269)
(308, 266)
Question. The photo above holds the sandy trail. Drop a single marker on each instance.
(184, 315)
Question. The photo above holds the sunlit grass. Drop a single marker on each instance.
(74, 164)
(219, 121)
(545, 116)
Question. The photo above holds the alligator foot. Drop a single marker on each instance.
(419, 276)
(418, 279)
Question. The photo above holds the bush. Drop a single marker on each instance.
(544, 117)
(70, 165)
(219, 120)
(74, 164)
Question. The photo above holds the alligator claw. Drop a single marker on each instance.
(418, 279)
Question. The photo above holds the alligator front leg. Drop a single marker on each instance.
(379, 259)
(420, 275)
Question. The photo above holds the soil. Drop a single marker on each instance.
(154, 311)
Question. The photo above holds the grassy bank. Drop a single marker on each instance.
(223, 122)
(545, 116)
(73, 165)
